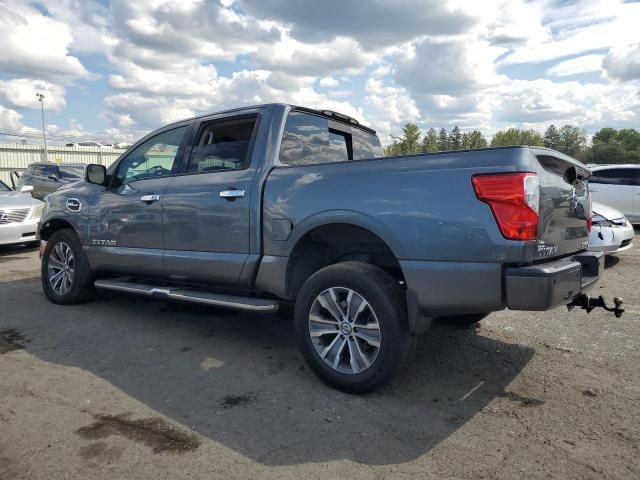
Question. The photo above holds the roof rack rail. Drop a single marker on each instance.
(340, 117)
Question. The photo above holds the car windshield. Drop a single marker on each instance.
(72, 171)
(3, 187)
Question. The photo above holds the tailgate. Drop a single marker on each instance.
(565, 206)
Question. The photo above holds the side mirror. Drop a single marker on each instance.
(26, 189)
(96, 174)
(52, 177)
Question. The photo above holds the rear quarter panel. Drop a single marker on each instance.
(422, 206)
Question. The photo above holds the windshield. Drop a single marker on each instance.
(74, 171)
(3, 187)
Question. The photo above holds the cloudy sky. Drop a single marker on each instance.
(117, 69)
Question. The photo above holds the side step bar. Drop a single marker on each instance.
(193, 296)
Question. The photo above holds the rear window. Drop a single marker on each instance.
(616, 176)
(312, 139)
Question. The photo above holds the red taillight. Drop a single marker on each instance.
(590, 222)
(514, 200)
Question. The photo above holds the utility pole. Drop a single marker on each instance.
(44, 133)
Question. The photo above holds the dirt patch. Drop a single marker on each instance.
(230, 401)
(100, 451)
(155, 433)
(10, 340)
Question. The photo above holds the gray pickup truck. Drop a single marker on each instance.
(262, 206)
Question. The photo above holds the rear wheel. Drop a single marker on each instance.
(467, 320)
(350, 321)
(66, 276)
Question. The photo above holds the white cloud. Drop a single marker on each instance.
(449, 67)
(328, 82)
(341, 55)
(574, 66)
(12, 120)
(623, 62)
(36, 46)
(21, 93)
(579, 28)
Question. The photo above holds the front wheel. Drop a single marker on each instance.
(66, 276)
(350, 322)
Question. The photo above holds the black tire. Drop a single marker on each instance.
(81, 288)
(463, 321)
(386, 304)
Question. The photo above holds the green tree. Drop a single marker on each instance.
(515, 136)
(393, 149)
(430, 141)
(477, 140)
(466, 141)
(551, 137)
(605, 135)
(410, 140)
(443, 140)
(606, 152)
(629, 138)
(572, 140)
(455, 139)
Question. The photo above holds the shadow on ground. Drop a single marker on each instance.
(239, 380)
(14, 253)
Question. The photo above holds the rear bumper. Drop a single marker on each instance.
(550, 284)
(23, 232)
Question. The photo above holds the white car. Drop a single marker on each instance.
(617, 186)
(19, 216)
(611, 232)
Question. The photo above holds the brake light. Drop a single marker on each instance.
(514, 199)
(590, 222)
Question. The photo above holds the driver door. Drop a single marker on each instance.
(125, 227)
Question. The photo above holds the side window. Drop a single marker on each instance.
(222, 145)
(365, 145)
(614, 176)
(312, 139)
(157, 157)
(38, 171)
(51, 171)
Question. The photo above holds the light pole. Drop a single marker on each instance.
(44, 133)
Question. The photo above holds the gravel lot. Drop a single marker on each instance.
(127, 388)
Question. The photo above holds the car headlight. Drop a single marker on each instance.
(600, 221)
(36, 211)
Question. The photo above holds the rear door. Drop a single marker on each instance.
(207, 210)
(614, 187)
(125, 227)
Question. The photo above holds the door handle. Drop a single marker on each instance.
(231, 194)
(150, 198)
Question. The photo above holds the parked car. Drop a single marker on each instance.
(611, 232)
(253, 207)
(19, 216)
(85, 144)
(619, 187)
(48, 177)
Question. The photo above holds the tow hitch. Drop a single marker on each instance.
(588, 303)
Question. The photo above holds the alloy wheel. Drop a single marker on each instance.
(344, 330)
(60, 268)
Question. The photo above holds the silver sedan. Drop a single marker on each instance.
(19, 216)
(611, 232)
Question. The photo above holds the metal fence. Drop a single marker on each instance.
(17, 157)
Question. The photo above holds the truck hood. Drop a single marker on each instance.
(605, 211)
(17, 200)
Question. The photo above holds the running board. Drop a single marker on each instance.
(193, 296)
